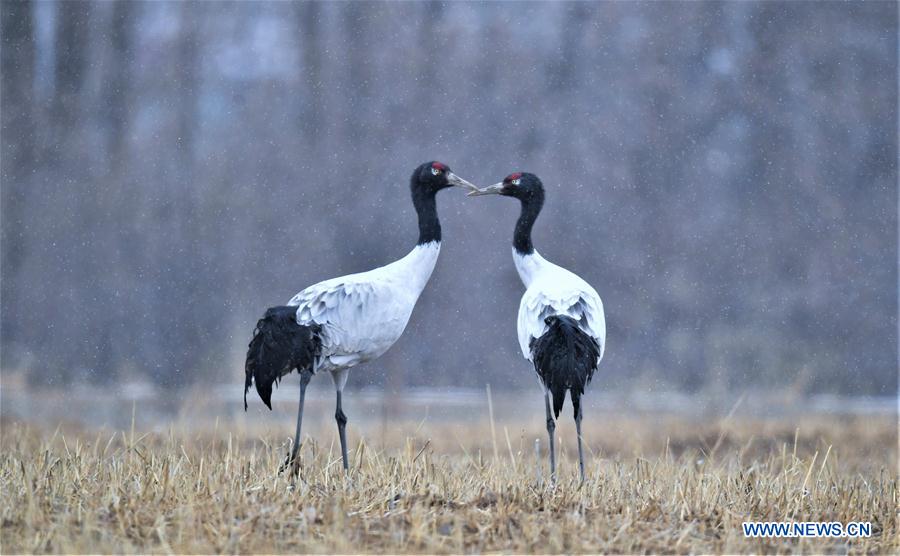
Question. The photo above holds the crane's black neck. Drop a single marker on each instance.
(426, 207)
(531, 207)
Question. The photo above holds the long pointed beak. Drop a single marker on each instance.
(453, 179)
(489, 190)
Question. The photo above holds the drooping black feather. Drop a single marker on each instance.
(279, 346)
(565, 358)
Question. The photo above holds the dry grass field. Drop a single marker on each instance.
(662, 485)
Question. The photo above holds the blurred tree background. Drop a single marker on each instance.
(725, 175)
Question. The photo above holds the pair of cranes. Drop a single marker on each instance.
(337, 324)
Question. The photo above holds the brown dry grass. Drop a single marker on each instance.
(655, 485)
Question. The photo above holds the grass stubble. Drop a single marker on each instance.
(655, 485)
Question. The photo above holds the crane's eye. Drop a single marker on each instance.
(435, 171)
(516, 181)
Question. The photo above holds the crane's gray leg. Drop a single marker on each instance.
(551, 426)
(340, 380)
(342, 430)
(292, 460)
(578, 431)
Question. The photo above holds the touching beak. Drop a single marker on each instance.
(489, 190)
(453, 179)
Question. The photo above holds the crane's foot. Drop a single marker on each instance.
(292, 463)
(285, 465)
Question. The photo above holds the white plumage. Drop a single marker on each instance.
(363, 314)
(553, 290)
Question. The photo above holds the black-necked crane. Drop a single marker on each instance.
(561, 326)
(337, 324)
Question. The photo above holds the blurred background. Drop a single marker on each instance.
(724, 174)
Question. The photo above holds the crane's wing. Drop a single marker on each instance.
(575, 298)
(360, 318)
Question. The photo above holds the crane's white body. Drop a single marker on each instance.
(553, 290)
(363, 314)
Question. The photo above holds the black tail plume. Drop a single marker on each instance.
(565, 357)
(279, 346)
